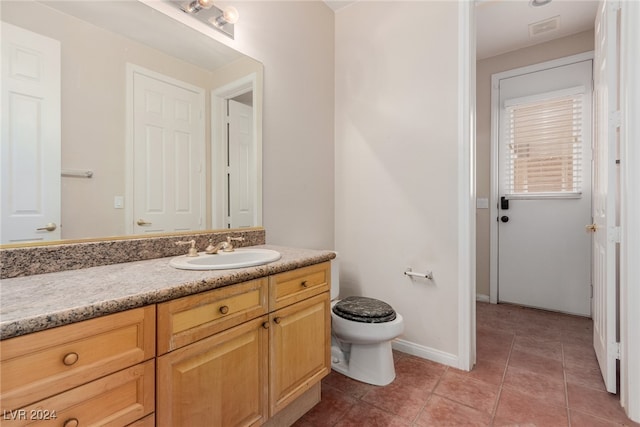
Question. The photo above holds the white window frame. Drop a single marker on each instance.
(505, 163)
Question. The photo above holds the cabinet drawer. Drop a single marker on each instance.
(296, 285)
(115, 400)
(44, 363)
(189, 319)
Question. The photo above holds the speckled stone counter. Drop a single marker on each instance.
(29, 260)
(34, 303)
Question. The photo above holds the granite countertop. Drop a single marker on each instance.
(34, 303)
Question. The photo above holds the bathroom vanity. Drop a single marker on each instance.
(144, 344)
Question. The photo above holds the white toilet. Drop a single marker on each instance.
(361, 333)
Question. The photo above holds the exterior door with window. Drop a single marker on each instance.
(545, 189)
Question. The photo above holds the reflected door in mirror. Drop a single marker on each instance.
(241, 173)
(168, 154)
(30, 136)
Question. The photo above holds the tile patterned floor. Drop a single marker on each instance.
(534, 368)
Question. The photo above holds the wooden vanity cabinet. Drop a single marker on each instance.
(94, 372)
(247, 354)
(252, 370)
(220, 381)
(300, 334)
(300, 349)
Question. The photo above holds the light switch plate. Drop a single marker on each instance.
(118, 202)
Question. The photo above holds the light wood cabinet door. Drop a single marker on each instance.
(41, 364)
(220, 381)
(296, 285)
(300, 349)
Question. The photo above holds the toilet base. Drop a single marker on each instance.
(369, 363)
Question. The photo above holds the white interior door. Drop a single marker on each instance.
(240, 169)
(604, 190)
(544, 177)
(168, 154)
(30, 136)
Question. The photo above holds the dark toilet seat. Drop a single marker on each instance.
(364, 310)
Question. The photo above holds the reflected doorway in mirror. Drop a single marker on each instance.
(165, 145)
(31, 136)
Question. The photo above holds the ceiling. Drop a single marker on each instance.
(503, 25)
(142, 23)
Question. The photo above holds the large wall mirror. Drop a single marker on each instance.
(118, 120)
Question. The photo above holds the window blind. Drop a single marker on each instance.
(544, 146)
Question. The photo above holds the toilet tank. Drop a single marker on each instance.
(335, 278)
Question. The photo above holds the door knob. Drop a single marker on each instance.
(49, 227)
(142, 222)
(504, 218)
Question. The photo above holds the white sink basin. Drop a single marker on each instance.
(239, 258)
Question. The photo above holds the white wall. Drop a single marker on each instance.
(295, 42)
(397, 164)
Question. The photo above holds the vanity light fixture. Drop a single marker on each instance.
(228, 16)
(196, 6)
(224, 20)
(205, 11)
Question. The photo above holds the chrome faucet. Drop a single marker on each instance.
(225, 245)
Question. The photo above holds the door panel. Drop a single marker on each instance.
(168, 181)
(543, 249)
(241, 167)
(604, 179)
(219, 381)
(30, 136)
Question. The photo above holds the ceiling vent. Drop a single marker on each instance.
(543, 27)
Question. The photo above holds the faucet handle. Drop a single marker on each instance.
(193, 251)
(229, 246)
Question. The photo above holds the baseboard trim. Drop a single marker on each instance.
(482, 298)
(425, 352)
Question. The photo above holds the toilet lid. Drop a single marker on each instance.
(365, 310)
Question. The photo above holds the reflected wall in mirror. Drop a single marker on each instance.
(130, 80)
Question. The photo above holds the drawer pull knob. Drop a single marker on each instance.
(71, 422)
(278, 320)
(265, 325)
(69, 359)
(224, 309)
(304, 284)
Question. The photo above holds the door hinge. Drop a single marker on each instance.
(615, 119)
(614, 234)
(614, 5)
(615, 350)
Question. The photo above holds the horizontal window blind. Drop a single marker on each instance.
(544, 146)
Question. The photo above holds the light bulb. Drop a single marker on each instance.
(230, 14)
(205, 4)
